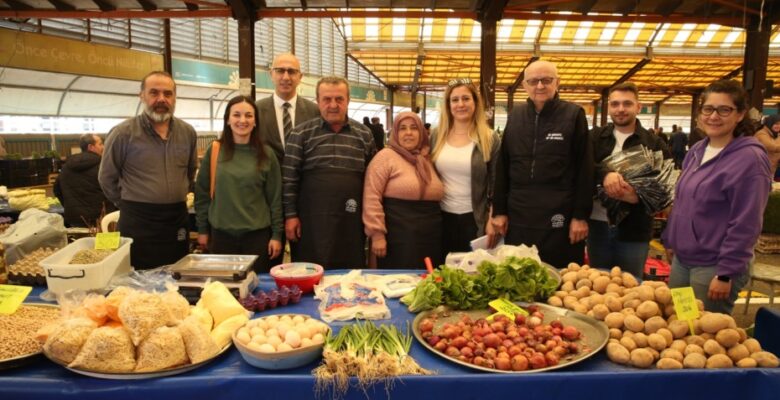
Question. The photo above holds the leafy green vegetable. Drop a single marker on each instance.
(514, 278)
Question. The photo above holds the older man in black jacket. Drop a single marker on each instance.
(77, 185)
(626, 244)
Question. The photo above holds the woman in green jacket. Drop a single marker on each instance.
(240, 211)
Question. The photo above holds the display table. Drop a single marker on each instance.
(230, 377)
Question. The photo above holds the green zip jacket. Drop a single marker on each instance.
(245, 198)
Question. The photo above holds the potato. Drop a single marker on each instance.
(613, 303)
(673, 354)
(678, 328)
(738, 352)
(634, 323)
(695, 339)
(555, 301)
(618, 354)
(646, 293)
(679, 345)
(561, 294)
(615, 333)
(614, 287)
(652, 324)
(707, 336)
(713, 322)
(600, 311)
(573, 266)
(567, 286)
(580, 308)
(617, 280)
(693, 348)
(727, 337)
(632, 304)
(719, 361)
(570, 301)
(628, 334)
(640, 339)
(628, 343)
(695, 360)
(600, 284)
(584, 283)
(628, 280)
(667, 334)
(663, 295)
(656, 354)
(642, 358)
(669, 311)
(589, 313)
(669, 363)
(594, 273)
(569, 277)
(648, 309)
(765, 359)
(711, 347)
(628, 311)
(656, 341)
(752, 345)
(596, 298)
(700, 305)
(613, 340)
(629, 294)
(614, 320)
(615, 272)
(742, 335)
(747, 363)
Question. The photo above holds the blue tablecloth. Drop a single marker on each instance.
(230, 377)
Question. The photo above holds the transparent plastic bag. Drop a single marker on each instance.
(34, 229)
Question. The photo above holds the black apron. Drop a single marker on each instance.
(159, 231)
(330, 209)
(413, 233)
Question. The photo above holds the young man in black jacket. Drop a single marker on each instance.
(626, 244)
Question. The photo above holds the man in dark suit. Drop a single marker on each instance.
(286, 75)
(279, 113)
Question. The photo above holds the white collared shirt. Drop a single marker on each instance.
(279, 110)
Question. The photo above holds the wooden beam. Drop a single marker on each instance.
(733, 74)
(147, 5)
(104, 5)
(242, 9)
(631, 72)
(60, 5)
(585, 6)
(191, 6)
(625, 7)
(739, 7)
(667, 7)
(672, 19)
(521, 75)
(18, 5)
(119, 14)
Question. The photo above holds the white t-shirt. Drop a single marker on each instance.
(454, 167)
(710, 153)
(279, 110)
(599, 213)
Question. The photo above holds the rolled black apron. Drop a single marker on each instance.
(330, 207)
(413, 233)
(159, 231)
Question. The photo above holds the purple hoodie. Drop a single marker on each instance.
(719, 206)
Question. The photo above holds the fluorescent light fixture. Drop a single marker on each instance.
(633, 33)
(531, 30)
(683, 35)
(660, 36)
(707, 36)
(734, 35)
(582, 32)
(608, 33)
(556, 33)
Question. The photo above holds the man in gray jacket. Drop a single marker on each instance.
(147, 169)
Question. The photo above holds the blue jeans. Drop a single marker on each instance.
(699, 278)
(606, 251)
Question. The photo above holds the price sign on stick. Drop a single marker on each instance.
(107, 241)
(685, 305)
(11, 297)
(506, 307)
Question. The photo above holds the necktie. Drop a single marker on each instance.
(286, 120)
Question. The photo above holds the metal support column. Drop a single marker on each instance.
(604, 106)
(694, 109)
(246, 54)
(487, 71)
(595, 112)
(167, 60)
(755, 61)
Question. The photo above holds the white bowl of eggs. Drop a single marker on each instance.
(281, 341)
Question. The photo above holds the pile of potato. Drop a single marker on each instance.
(643, 327)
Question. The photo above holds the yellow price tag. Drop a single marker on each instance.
(506, 307)
(685, 305)
(107, 241)
(11, 297)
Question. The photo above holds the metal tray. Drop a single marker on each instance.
(595, 334)
(231, 266)
(23, 359)
(140, 375)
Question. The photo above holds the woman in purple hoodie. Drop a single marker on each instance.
(719, 201)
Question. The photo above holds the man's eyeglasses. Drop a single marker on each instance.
(459, 81)
(289, 71)
(544, 81)
(723, 111)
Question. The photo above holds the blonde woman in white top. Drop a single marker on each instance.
(464, 152)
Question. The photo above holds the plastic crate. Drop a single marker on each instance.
(61, 276)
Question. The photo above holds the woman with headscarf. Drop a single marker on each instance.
(401, 198)
(768, 135)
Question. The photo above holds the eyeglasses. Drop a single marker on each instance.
(544, 81)
(289, 71)
(460, 81)
(723, 111)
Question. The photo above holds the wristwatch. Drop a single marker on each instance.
(724, 278)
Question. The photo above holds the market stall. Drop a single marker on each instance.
(228, 376)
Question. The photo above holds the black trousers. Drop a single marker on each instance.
(250, 243)
(458, 230)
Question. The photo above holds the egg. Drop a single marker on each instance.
(251, 324)
(283, 347)
(259, 339)
(293, 338)
(257, 332)
(272, 319)
(298, 319)
(274, 341)
(267, 348)
(244, 329)
(272, 332)
(255, 347)
(260, 323)
(317, 339)
(306, 342)
(243, 337)
(282, 328)
(285, 318)
(304, 332)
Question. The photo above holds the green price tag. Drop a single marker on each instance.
(107, 241)
(11, 297)
(685, 305)
(506, 307)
